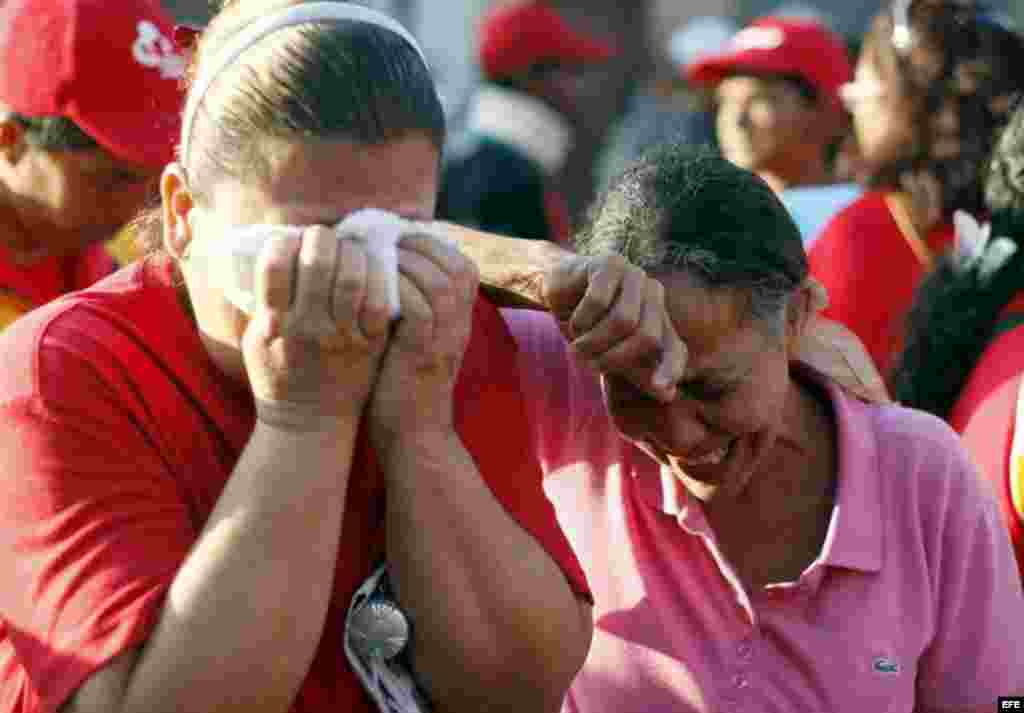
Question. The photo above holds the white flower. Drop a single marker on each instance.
(975, 249)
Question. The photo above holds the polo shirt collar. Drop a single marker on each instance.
(855, 537)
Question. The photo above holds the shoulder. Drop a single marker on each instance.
(926, 469)
(67, 346)
(918, 440)
(862, 218)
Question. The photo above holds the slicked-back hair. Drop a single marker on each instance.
(328, 81)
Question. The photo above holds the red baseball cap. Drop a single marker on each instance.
(110, 66)
(515, 37)
(776, 45)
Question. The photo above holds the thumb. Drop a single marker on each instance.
(565, 286)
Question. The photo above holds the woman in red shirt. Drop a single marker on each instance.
(964, 353)
(933, 84)
(193, 493)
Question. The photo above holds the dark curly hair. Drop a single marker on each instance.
(955, 67)
(956, 310)
(684, 208)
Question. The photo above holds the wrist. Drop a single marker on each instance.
(304, 420)
(544, 257)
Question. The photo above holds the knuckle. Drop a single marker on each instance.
(624, 325)
(277, 295)
(649, 343)
(618, 263)
(277, 263)
(319, 232)
(655, 289)
(349, 285)
(466, 273)
(376, 319)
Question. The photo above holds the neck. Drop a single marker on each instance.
(802, 473)
(806, 174)
(524, 122)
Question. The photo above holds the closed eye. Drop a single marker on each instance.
(704, 391)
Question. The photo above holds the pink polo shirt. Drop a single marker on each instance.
(912, 605)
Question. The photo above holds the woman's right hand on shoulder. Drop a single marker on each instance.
(314, 342)
(614, 316)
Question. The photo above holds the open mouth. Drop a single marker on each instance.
(712, 458)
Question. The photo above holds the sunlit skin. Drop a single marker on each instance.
(59, 202)
(764, 124)
(881, 120)
(738, 393)
(312, 184)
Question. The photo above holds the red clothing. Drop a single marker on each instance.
(52, 277)
(117, 435)
(871, 273)
(986, 414)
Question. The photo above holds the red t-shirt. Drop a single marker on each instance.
(117, 435)
(52, 277)
(871, 273)
(985, 414)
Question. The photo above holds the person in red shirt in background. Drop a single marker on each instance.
(963, 359)
(777, 90)
(89, 105)
(934, 83)
(503, 176)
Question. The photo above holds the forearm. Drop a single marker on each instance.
(245, 612)
(511, 269)
(495, 623)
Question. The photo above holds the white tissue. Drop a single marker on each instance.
(231, 258)
(379, 231)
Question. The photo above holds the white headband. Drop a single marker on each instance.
(268, 24)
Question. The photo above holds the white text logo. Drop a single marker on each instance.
(152, 49)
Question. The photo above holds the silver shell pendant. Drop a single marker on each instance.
(379, 629)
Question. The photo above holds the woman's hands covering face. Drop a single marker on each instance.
(614, 316)
(315, 339)
(413, 396)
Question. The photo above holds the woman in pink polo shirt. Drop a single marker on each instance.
(766, 540)
(964, 355)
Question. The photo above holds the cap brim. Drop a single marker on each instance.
(712, 70)
(586, 50)
(146, 138)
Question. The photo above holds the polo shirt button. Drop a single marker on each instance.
(744, 650)
(740, 681)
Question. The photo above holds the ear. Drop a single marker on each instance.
(177, 205)
(799, 311)
(12, 139)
